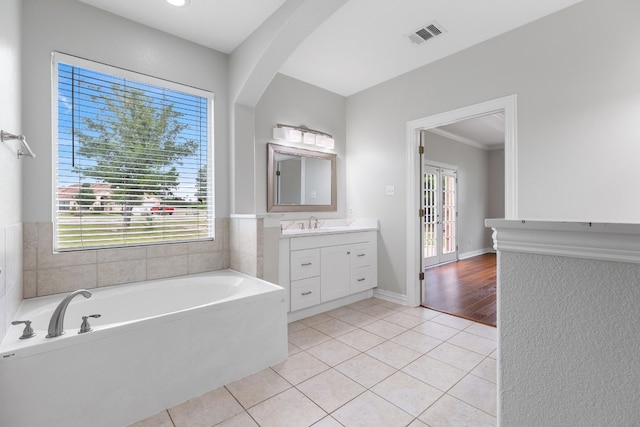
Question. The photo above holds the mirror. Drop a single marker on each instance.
(300, 180)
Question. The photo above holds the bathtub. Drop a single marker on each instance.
(156, 344)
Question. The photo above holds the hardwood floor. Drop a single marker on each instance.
(464, 288)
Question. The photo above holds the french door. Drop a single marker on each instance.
(439, 224)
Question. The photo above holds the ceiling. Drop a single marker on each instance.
(486, 132)
(362, 44)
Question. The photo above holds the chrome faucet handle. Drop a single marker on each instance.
(28, 330)
(86, 327)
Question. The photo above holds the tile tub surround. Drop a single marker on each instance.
(47, 273)
(436, 370)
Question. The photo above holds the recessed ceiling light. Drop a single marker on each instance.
(178, 3)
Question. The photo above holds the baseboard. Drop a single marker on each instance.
(390, 296)
(477, 252)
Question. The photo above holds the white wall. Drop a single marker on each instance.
(568, 336)
(77, 29)
(293, 102)
(578, 91)
(473, 190)
(10, 166)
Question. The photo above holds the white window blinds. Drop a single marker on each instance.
(133, 158)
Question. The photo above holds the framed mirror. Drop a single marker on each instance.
(300, 180)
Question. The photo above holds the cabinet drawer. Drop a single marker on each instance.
(305, 264)
(362, 279)
(362, 255)
(305, 293)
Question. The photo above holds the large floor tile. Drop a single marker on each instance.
(417, 341)
(288, 409)
(334, 327)
(365, 370)
(436, 330)
(384, 329)
(405, 320)
(486, 370)
(434, 372)
(394, 355)
(330, 389)
(407, 393)
(204, 411)
(483, 330)
(327, 421)
(333, 352)
(456, 356)
(300, 367)
(361, 340)
(451, 412)
(161, 419)
(358, 319)
(452, 321)
(477, 392)
(370, 410)
(422, 312)
(473, 342)
(240, 420)
(379, 311)
(258, 387)
(306, 338)
(314, 320)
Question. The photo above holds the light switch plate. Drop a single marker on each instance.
(391, 190)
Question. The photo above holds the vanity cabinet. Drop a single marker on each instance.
(327, 267)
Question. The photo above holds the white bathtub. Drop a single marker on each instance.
(156, 344)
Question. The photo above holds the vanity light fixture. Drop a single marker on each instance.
(303, 134)
(178, 3)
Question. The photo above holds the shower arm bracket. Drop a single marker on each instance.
(6, 136)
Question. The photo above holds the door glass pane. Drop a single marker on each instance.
(430, 207)
(449, 213)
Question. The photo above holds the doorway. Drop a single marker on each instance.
(507, 105)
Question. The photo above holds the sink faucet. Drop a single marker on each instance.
(56, 327)
(315, 225)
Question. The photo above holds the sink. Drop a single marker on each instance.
(328, 227)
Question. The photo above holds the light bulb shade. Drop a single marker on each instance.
(294, 135)
(325, 141)
(309, 138)
(279, 133)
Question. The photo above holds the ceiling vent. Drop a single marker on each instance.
(425, 33)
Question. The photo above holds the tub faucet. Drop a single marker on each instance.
(315, 224)
(56, 324)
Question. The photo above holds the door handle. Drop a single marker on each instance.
(305, 264)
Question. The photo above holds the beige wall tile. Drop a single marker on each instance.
(46, 258)
(205, 246)
(29, 245)
(120, 272)
(168, 266)
(65, 279)
(121, 254)
(206, 261)
(29, 283)
(167, 250)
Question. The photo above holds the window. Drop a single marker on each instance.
(133, 158)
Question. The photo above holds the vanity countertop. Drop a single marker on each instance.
(327, 226)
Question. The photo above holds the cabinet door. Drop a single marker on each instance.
(334, 276)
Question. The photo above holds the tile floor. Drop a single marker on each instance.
(371, 363)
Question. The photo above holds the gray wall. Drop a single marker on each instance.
(578, 92)
(290, 101)
(77, 29)
(474, 190)
(496, 184)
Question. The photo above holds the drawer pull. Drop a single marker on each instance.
(362, 279)
(361, 254)
(305, 264)
(307, 293)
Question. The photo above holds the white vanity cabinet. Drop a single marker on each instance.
(321, 268)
